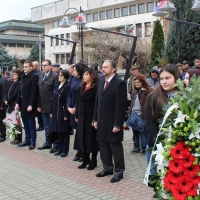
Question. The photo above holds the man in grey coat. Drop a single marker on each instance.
(153, 80)
(46, 85)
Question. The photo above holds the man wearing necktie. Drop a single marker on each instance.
(109, 115)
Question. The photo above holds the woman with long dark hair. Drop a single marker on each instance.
(85, 140)
(168, 76)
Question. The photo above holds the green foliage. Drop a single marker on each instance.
(5, 59)
(157, 44)
(34, 53)
(189, 38)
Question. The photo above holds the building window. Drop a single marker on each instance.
(20, 45)
(148, 29)
(28, 45)
(4, 44)
(95, 16)
(67, 58)
(2, 32)
(55, 24)
(141, 8)
(11, 45)
(68, 38)
(132, 10)
(117, 12)
(124, 11)
(89, 18)
(52, 41)
(57, 41)
(139, 30)
(102, 15)
(62, 58)
(62, 41)
(37, 33)
(30, 32)
(150, 7)
(57, 58)
(109, 14)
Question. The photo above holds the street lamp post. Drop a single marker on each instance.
(80, 22)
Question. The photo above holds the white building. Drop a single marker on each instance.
(112, 14)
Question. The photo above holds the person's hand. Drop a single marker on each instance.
(29, 109)
(17, 107)
(115, 130)
(95, 125)
(6, 103)
(51, 115)
(73, 111)
(39, 109)
(70, 110)
(76, 120)
(65, 118)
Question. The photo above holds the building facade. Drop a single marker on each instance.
(112, 15)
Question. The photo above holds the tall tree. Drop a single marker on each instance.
(34, 53)
(157, 43)
(189, 35)
(5, 59)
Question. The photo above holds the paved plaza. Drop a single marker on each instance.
(31, 175)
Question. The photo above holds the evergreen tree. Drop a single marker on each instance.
(34, 53)
(189, 35)
(157, 44)
(5, 59)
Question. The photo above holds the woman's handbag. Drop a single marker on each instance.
(136, 122)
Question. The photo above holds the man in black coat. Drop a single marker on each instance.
(27, 104)
(109, 115)
(47, 81)
(3, 93)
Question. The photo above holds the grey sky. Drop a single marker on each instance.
(19, 9)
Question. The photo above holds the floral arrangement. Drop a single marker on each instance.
(176, 155)
(13, 125)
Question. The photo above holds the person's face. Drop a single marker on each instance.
(185, 66)
(107, 69)
(154, 75)
(75, 73)
(35, 66)
(187, 79)
(15, 76)
(45, 67)
(86, 77)
(167, 81)
(197, 63)
(70, 69)
(27, 68)
(134, 72)
(61, 78)
(55, 69)
(137, 83)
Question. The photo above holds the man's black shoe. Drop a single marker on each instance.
(31, 147)
(40, 129)
(115, 179)
(23, 144)
(104, 173)
(44, 147)
(2, 139)
(53, 150)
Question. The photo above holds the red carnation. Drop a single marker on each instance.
(184, 184)
(177, 151)
(176, 165)
(192, 192)
(178, 195)
(168, 183)
(191, 171)
(188, 159)
(183, 146)
(172, 176)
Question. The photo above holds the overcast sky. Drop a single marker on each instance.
(19, 9)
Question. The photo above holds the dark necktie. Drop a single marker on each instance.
(106, 85)
(45, 76)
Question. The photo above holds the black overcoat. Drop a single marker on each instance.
(110, 110)
(28, 94)
(59, 109)
(12, 95)
(85, 138)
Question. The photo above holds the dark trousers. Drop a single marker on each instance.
(2, 125)
(30, 129)
(110, 151)
(47, 127)
(40, 120)
(63, 142)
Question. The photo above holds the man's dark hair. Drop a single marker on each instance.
(80, 68)
(94, 65)
(48, 61)
(29, 62)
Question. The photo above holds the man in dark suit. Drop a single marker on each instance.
(27, 103)
(110, 111)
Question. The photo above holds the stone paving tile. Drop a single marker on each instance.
(40, 175)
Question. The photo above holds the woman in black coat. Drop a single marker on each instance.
(60, 114)
(12, 98)
(85, 139)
